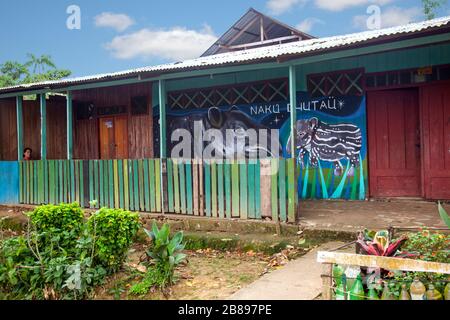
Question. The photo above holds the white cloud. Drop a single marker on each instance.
(278, 7)
(119, 22)
(177, 43)
(339, 5)
(307, 24)
(391, 17)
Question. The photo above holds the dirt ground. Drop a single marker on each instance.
(207, 275)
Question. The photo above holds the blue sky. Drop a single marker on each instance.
(118, 35)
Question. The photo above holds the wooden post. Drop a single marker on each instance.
(43, 126)
(162, 135)
(327, 281)
(69, 125)
(293, 111)
(19, 116)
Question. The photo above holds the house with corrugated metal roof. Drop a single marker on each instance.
(354, 117)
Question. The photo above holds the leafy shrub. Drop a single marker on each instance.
(114, 230)
(429, 246)
(166, 252)
(61, 225)
(63, 255)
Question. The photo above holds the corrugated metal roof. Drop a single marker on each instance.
(251, 55)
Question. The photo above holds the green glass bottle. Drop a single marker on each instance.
(404, 295)
(341, 292)
(357, 290)
(433, 294)
(387, 294)
(338, 271)
(372, 295)
(447, 292)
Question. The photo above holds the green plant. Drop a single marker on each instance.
(113, 230)
(429, 246)
(380, 245)
(152, 278)
(444, 215)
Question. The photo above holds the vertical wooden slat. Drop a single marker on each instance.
(227, 173)
(72, 181)
(201, 189)
(146, 186)
(182, 173)
(251, 189)
(207, 172)
(195, 186)
(291, 189)
(170, 185)
(51, 180)
(67, 180)
(61, 181)
(221, 203)
(235, 189)
(135, 185)
(176, 189)
(20, 181)
(189, 206)
(77, 181)
(274, 188)
(282, 189)
(28, 165)
(158, 184)
(258, 190)
(46, 199)
(40, 182)
(101, 184)
(110, 174)
(152, 185)
(116, 184)
(91, 180)
(243, 189)
(141, 185)
(214, 212)
(81, 174)
(96, 184)
(121, 192)
(126, 184)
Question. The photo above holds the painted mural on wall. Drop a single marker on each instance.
(331, 148)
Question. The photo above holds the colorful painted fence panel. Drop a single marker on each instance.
(9, 182)
(239, 189)
(232, 189)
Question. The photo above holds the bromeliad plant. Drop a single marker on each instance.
(165, 252)
(380, 245)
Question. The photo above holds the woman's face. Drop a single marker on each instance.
(28, 154)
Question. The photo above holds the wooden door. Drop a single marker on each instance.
(113, 138)
(435, 107)
(394, 143)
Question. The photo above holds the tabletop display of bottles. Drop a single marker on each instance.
(355, 291)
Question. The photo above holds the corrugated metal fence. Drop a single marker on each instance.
(237, 189)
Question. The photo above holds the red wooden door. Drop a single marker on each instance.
(394, 143)
(435, 105)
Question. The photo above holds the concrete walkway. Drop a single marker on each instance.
(298, 280)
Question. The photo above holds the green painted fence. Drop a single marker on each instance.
(239, 189)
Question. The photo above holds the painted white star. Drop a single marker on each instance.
(341, 104)
(277, 120)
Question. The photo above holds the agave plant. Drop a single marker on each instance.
(380, 245)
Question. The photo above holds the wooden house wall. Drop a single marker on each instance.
(140, 127)
(8, 132)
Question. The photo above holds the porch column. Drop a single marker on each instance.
(19, 116)
(293, 103)
(43, 126)
(293, 192)
(162, 136)
(162, 119)
(69, 125)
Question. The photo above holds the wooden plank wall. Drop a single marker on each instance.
(8, 131)
(56, 128)
(140, 127)
(216, 190)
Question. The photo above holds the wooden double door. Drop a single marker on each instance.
(114, 137)
(409, 142)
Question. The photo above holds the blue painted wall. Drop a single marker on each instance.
(9, 182)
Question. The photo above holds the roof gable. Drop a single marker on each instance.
(252, 30)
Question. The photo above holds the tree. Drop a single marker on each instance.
(430, 7)
(36, 69)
